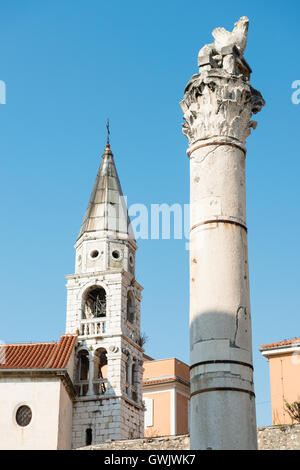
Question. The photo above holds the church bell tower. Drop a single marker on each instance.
(103, 308)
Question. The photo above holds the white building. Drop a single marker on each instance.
(88, 387)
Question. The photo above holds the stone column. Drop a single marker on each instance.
(217, 105)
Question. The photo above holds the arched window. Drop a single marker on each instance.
(134, 380)
(127, 385)
(130, 307)
(82, 373)
(100, 371)
(83, 357)
(133, 374)
(95, 303)
(88, 436)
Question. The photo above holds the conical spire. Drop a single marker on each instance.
(106, 214)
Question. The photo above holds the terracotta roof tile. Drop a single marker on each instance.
(279, 344)
(154, 381)
(64, 349)
(162, 379)
(37, 355)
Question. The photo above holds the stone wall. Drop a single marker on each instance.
(109, 419)
(102, 416)
(153, 443)
(269, 438)
(282, 437)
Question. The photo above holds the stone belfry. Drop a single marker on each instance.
(103, 308)
(218, 104)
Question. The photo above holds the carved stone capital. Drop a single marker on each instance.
(217, 103)
(126, 351)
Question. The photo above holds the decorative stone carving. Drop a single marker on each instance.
(219, 100)
(228, 48)
(113, 349)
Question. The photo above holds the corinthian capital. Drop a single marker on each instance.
(219, 100)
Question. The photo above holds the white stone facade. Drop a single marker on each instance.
(103, 308)
(51, 406)
(109, 419)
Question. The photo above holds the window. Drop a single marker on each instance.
(130, 307)
(88, 436)
(148, 420)
(133, 374)
(94, 254)
(100, 371)
(134, 395)
(23, 415)
(127, 378)
(116, 254)
(131, 378)
(95, 303)
(82, 373)
(83, 365)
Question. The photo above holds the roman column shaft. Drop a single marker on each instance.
(217, 105)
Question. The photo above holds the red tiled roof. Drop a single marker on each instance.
(279, 344)
(163, 379)
(37, 355)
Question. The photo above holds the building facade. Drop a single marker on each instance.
(166, 395)
(284, 364)
(95, 393)
(37, 395)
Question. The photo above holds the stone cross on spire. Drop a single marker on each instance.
(108, 134)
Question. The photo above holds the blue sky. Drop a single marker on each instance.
(67, 66)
